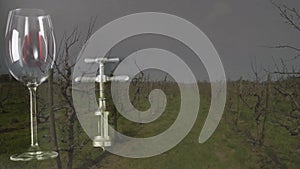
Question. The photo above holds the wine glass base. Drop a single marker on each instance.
(34, 155)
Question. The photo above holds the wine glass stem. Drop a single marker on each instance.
(33, 117)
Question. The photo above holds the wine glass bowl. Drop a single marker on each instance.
(30, 54)
(30, 45)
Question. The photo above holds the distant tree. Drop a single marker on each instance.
(285, 100)
(63, 68)
(291, 17)
(288, 83)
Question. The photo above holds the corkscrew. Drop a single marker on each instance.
(102, 138)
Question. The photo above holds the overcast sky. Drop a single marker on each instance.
(237, 28)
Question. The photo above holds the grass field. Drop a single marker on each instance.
(228, 148)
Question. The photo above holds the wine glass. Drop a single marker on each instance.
(30, 54)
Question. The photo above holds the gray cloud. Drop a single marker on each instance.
(238, 29)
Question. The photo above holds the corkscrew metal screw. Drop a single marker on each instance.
(102, 138)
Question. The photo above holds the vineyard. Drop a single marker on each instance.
(259, 128)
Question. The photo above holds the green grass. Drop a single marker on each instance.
(227, 148)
